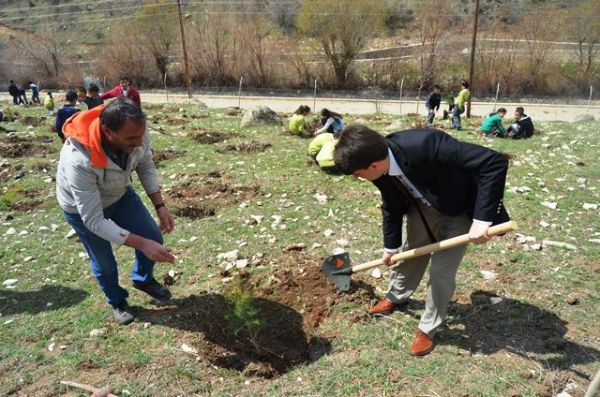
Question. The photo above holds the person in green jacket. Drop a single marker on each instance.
(492, 125)
(298, 124)
(49, 103)
(321, 150)
(459, 104)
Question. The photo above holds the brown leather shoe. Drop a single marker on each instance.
(385, 306)
(422, 345)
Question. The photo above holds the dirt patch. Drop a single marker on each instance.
(162, 155)
(209, 137)
(32, 121)
(246, 147)
(201, 195)
(14, 146)
(291, 305)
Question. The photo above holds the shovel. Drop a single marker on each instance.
(339, 268)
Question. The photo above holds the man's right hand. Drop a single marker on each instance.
(387, 257)
(156, 252)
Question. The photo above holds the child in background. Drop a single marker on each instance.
(49, 104)
(321, 150)
(492, 125)
(298, 125)
(331, 122)
(35, 93)
(81, 94)
(65, 112)
(433, 104)
(459, 104)
(523, 126)
(92, 98)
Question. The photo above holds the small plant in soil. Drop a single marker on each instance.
(242, 315)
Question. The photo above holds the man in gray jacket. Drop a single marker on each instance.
(93, 187)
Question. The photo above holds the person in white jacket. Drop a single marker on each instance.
(104, 147)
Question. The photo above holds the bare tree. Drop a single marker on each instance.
(586, 32)
(344, 28)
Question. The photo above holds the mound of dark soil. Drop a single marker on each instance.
(162, 155)
(246, 147)
(201, 196)
(32, 121)
(291, 306)
(14, 146)
(209, 137)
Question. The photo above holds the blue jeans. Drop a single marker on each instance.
(456, 112)
(129, 213)
(430, 117)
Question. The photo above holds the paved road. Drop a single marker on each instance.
(542, 112)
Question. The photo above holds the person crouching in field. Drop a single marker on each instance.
(522, 127)
(331, 122)
(105, 146)
(444, 188)
(492, 125)
(433, 104)
(298, 124)
(321, 150)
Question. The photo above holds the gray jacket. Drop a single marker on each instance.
(83, 189)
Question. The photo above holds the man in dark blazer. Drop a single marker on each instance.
(444, 188)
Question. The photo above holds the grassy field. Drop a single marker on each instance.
(541, 337)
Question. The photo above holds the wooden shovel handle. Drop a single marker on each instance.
(435, 247)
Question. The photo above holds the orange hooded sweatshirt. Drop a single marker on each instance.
(85, 128)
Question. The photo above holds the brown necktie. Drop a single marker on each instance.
(402, 189)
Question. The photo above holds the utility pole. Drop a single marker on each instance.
(185, 57)
(472, 62)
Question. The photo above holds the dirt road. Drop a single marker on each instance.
(542, 112)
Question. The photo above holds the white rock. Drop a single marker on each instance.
(321, 198)
(241, 263)
(536, 247)
(172, 273)
(523, 189)
(563, 394)
(43, 229)
(188, 349)
(28, 259)
(376, 273)
(243, 205)
(72, 233)
(147, 325)
(549, 204)
(10, 283)
(530, 239)
(51, 347)
(559, 244)
(338, 251)
(487, 275)
(23, 233)
(54, 227)
(316, 245)
(342, 242)
(327, 232)
(588, 206)
(257, 218)
(83, 255)
(544, 224)
(495, 300)
(10, 231)
(95, 333)
(230, 256)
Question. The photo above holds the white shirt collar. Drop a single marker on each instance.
(395, 169)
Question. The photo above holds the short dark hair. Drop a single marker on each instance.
(81, 89)
(93, 88)
(71, 96)
(303, 109)
(436, 86)
(118, 111)
(501, 110)
(520, 109)
(357, 148)
(464, 83)
(124, 78)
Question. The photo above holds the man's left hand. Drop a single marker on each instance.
(478, 232)
(167, 222)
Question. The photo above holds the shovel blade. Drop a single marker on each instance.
(332, 266)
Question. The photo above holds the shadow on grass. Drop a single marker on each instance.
(281, 343)
(47, 298)
(518, 327)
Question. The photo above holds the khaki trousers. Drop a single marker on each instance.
(406, 276)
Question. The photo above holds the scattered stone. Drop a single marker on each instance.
(588, 206)
(10, 283)
(97, 332)
(487, 275)
(147, 325)
(230, 256)
(327, 232)
(188, 349)
(559, 244)
(71, 234)
(241, 263)
(572, 300)
(549, 204)
(496, 300)
(536, 247)
(321, 198)
(315, 246)
(544, 224)
(243, 205)
(295, 247)
(11, 231)
(376, 273)
(342, 242)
